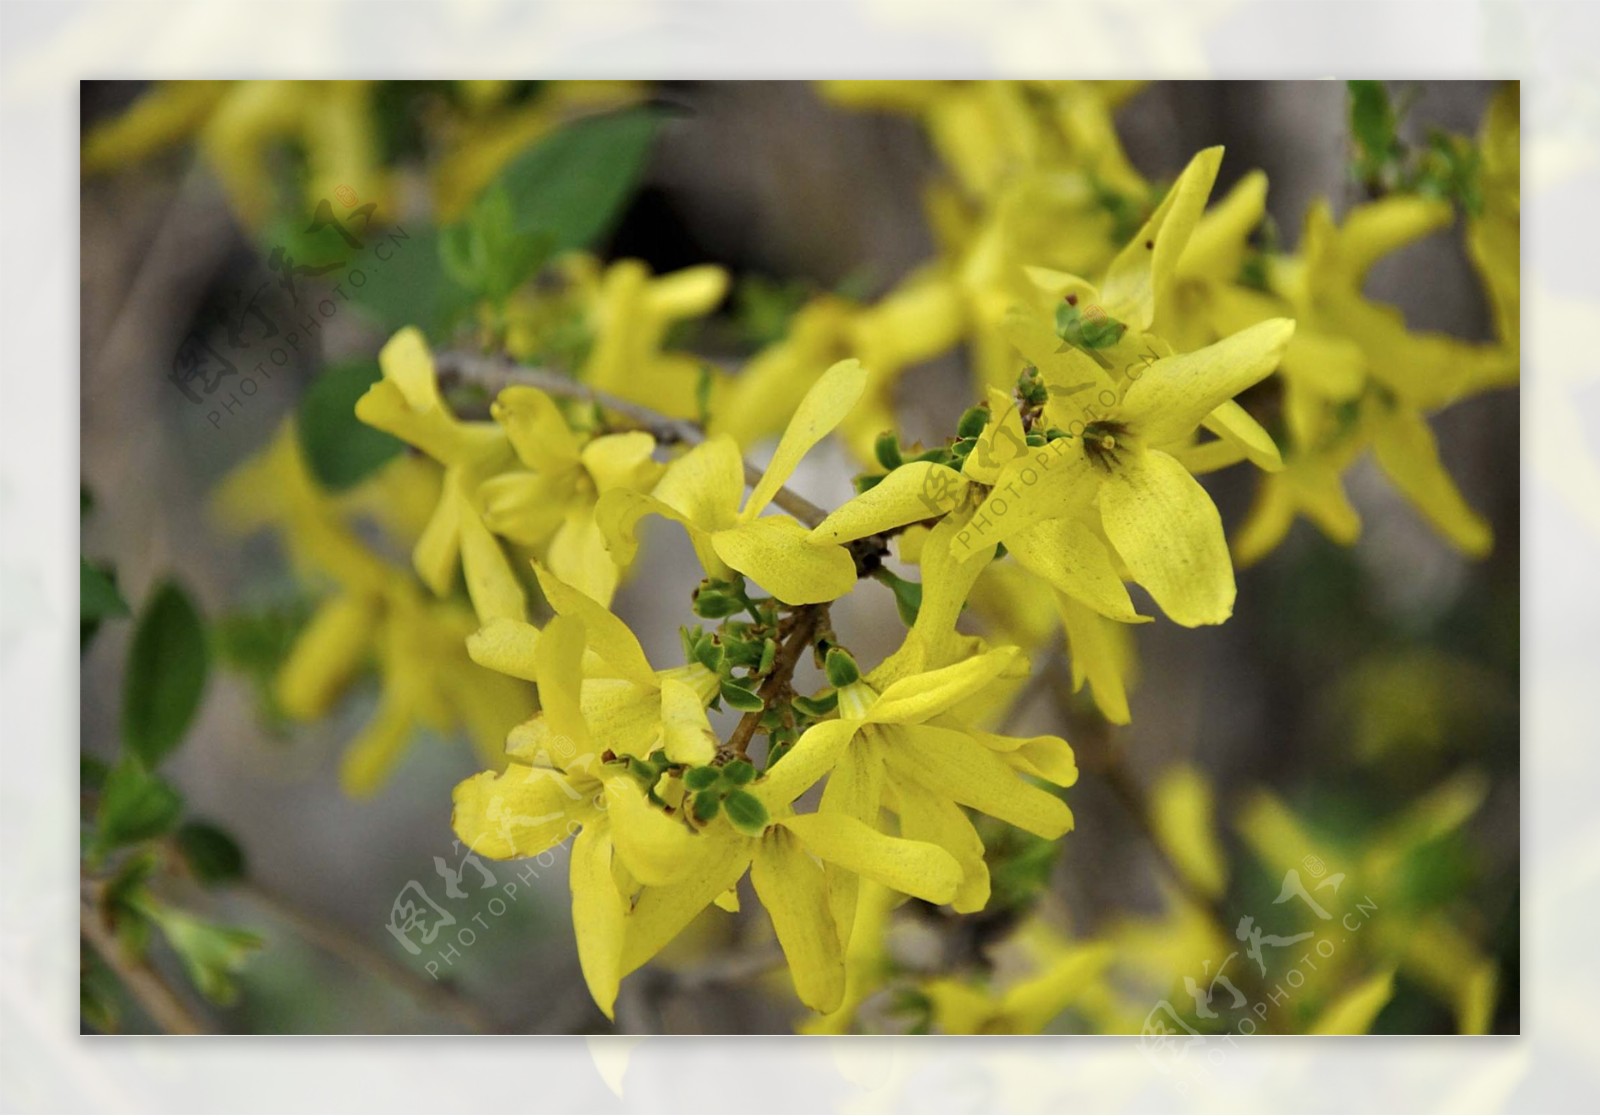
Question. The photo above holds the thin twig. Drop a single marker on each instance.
(782, 674)
(496, 373)
(150, 990)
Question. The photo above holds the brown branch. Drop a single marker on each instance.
(496, 373)
(150, 990)
(806, 620)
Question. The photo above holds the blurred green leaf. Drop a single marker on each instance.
(741, 698)
(97, 593)
(166, 675)
(412, 286)
(1374, 129)
(571, 187)
(340, 448)
(211, 955)
(211, 854)
(135, 806)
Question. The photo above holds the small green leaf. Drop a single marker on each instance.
(746, 813)
(740, 698)
(819, 706)
(701, 778)
(212, 855)
(1087, 330)
(166, 675)
(972, 422)
(341, 449)
(887, 450)
(714, 604)
(907, 594)
(134, 807)
(706, 804)
(739, 772)
(841, 667)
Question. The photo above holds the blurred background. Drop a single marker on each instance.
(1350, 683)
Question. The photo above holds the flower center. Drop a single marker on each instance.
(1103, 442)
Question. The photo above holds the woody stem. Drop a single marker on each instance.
(493, 373)
(806, 620)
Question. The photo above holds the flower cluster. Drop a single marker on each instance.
(1125, 340)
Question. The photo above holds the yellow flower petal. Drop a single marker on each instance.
(812, 757)
(495, 591)
(611, 639)
(1053, 481)
(652, 846)
(685, 730)
(823, 408)
(1184, 822)
(1354, 1011)
(774, 553)
(1175, 394)
(558, 662)
(1169, 534)
(790, 886)
(913, 867)
(1233, 424)
(597, 916)
(915, 491)
(925, 816)
(1001, 440)
(521, 811)
(622, 461)
(1374, 230)
(1137, 280)
(720, 858)
(1070, 556)
(326, 656)
(375, 752)
(1217, 247)
(705, 484)
(438, 550)
(933, 692)
(1405, 448)
(1101, 654)
(537, 429)
(953, 764)
(579, 557)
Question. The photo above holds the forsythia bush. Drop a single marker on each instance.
(1125, 340)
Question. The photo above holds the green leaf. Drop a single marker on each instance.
(340, 448)
(746, 813)
(211, 955)
(571, 187)
(740, 698)
(134, 807)
(701, 778)
(841, 667)
(819, 706)
(97, 593)
(1087, 330)
(907, 594)
(412, 286)
(706, 804)
(739, 772)
(211, 854)
(166, 675)
(1373, 127)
